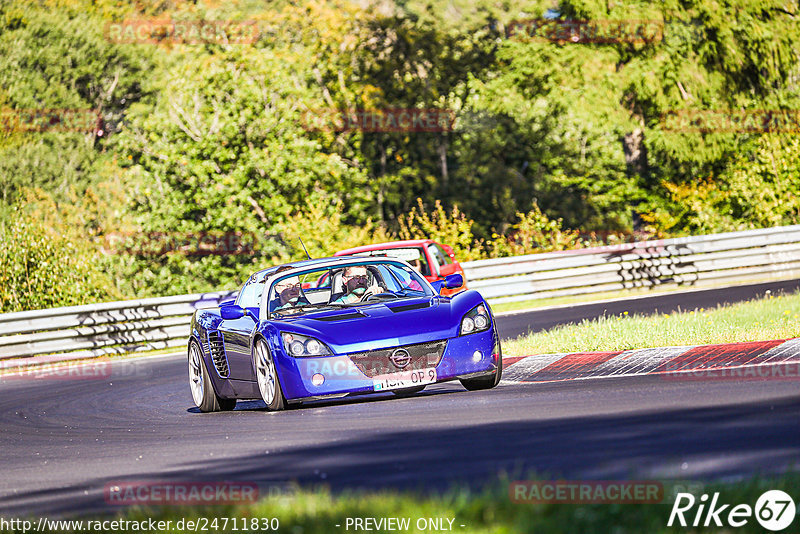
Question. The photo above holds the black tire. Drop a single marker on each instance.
(485, 382)
(266, 373)
(200, 385)
(407, 392)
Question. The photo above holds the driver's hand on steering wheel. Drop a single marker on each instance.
(371, 292)
(375, 289)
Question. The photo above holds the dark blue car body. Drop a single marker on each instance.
(363, 341)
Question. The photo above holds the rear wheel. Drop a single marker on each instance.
(267, 377)
(202, 389)
(485, 382)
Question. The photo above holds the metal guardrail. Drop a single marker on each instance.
(697, 261)
(157, 323)
(100, 329)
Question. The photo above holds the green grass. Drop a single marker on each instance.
(756, 320)
(489, 511)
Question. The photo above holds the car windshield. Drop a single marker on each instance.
(413, 255)
(343, 287)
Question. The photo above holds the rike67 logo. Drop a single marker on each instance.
(775, 510)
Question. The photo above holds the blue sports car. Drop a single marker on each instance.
(333, 327)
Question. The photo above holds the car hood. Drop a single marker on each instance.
(378, 325)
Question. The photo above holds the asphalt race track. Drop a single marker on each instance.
(64, 440)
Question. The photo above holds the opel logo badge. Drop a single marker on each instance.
(400, 358)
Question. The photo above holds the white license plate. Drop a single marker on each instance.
(404, 379)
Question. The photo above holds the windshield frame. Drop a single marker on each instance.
(428, 290)
(422, 256)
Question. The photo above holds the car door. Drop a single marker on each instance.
(237, 333)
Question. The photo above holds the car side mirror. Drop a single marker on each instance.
(453, 281)
(450, 282)
(228, 302)
(232, 311)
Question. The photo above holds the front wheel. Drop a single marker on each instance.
(203, 393)
(267, 377)
(485, 382)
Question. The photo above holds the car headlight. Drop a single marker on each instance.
(304, 346)
(477, 320)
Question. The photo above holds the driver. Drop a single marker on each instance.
(289, 291)
(356, 283)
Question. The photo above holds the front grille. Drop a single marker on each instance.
(376, 362)
(217, 352)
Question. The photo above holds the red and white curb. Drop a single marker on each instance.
(778, 359)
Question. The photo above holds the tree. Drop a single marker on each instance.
(63, 86)
(225, 151)
(45, 263)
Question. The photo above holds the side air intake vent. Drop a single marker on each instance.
(217, 352)
(408, 307)
(340, 317)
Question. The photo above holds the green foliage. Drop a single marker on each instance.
(534, 232)
(758, 190)
(58, 61)
(763, 186)
(42, 266)
(214, 139)
(555, 138)
(323, 232)
(716, 56)
(452, 228)
(224, 150)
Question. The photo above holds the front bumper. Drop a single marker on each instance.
(342, 376)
